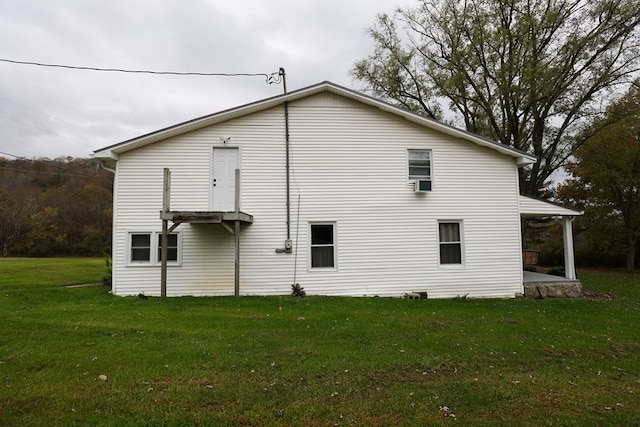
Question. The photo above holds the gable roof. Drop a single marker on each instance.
(111, 152)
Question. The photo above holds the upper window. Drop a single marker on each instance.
(323, 247)
(450, 242)
(419, 164)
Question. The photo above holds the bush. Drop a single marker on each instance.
(297, 291)
(106, 279)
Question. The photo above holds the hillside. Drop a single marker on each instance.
(54, 207)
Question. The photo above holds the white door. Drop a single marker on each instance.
(225, 163)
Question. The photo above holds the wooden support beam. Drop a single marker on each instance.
(236, 278)
(173, 227)
(228, 228)
(163, 267)
(166, 207)
(166, 191)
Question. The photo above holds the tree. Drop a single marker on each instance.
(525, 73)
(14, 220)
(60, 206)
(606, 170)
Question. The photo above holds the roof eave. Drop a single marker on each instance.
(112, 152)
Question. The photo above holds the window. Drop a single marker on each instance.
(450, 242)
(419, 164)
(172, 247)
(141, 248)
(323, 246)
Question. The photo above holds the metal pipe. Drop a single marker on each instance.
(286, 129)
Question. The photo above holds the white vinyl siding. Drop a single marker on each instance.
(348, 164)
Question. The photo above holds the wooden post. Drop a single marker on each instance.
(163, 267)
(569, 260)
(166, 201)
(236, 233)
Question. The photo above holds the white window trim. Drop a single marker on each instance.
(462, 243)
(155, 239)
(412, 181)
(130, 261)
(335, 246)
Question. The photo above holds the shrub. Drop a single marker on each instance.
(297, 291)
(106, 279)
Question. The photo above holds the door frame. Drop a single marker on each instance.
(211, 167)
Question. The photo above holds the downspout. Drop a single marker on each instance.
(286, 130)
(102, 165)
(288, 244)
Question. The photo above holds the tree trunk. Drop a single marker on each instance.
(631, 255)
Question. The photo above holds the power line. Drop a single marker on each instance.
(46, 164)
(272, 78)
(43, 172)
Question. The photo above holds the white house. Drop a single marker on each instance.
(339, 192)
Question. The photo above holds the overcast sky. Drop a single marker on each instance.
(52, 112)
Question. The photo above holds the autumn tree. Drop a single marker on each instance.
(606, 173)
(14, 220)
(525, 73)
(60, 206)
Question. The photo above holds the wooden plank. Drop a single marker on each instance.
(193, 217)
(236, 233)
(237, 193)
(204, 217)
(228, 228)
(237, 259)
(163, 270)
(166, 191)
(166, 202)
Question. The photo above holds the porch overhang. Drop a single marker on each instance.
(531, 208)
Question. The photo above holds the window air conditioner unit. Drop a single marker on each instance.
(422, 186)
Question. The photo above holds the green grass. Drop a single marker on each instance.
(312, 361)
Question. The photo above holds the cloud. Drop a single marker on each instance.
(54, 112)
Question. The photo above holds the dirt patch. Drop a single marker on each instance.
(598, 295)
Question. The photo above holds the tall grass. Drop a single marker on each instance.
(80, 356)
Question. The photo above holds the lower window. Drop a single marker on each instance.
(323, 247)
(141, 248)
(450, 241)
(172, 247)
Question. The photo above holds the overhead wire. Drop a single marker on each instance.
(45, 163)
(270, 78)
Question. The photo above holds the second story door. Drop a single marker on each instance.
(225, 163)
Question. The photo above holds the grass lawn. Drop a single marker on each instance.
(80, 356)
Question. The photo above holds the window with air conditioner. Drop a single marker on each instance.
(419, 169)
